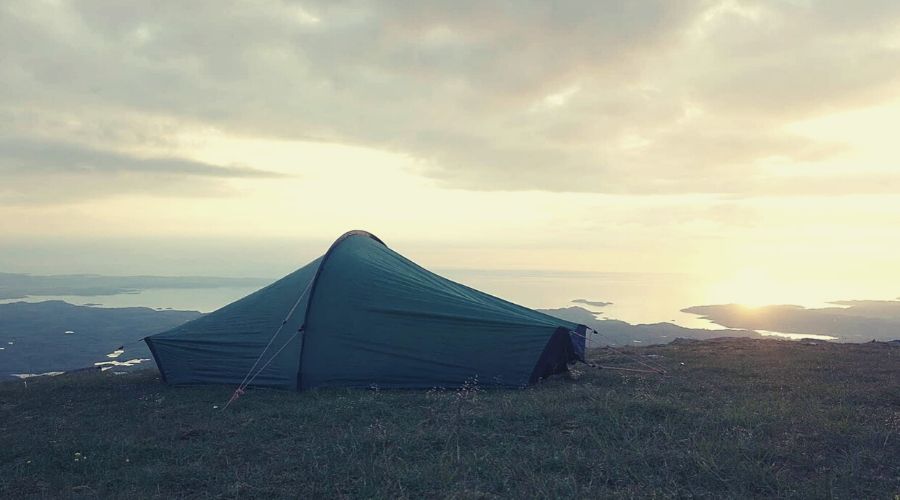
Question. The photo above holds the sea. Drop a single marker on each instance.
(636, 298)
(633, 297)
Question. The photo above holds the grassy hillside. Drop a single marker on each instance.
(733, 418)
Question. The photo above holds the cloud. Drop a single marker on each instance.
(33, 171)
(689, 96)
(782, 60)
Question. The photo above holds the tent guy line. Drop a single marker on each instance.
(244, 383)
(240, 390)
(653, 367)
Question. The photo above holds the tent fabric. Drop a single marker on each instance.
(363, 315)
(221, 347)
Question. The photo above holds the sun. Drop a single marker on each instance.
(749, 287)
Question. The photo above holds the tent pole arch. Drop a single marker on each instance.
(312, 292)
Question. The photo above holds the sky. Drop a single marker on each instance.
(752, 143)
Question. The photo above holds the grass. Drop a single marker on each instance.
(737, 418)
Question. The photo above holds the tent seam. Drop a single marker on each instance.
(312, 292)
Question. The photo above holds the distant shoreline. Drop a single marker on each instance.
(21, 286)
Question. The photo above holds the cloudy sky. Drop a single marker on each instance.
(751, 141)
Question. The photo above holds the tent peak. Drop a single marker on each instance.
(357, 232)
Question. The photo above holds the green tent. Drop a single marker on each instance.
(362, 315)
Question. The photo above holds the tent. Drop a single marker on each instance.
(362, 315)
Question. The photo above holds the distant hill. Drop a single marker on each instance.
(621, 333)
(33, 336)
(848, 320)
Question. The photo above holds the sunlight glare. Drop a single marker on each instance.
(749, 287)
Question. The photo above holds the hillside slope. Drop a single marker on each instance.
(733, 418)
(33, 335)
